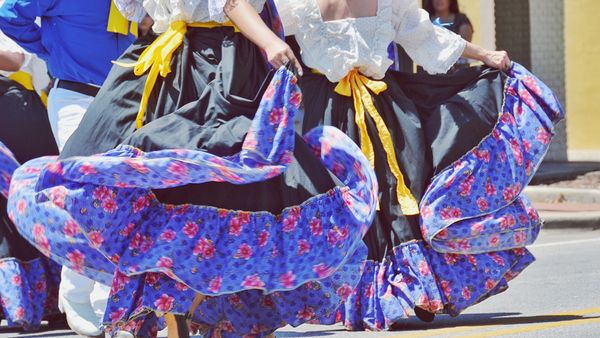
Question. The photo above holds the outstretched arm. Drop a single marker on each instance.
(243, 15)
(11, 61)
(17, 20)
(494, 59)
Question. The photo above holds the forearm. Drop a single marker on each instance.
(247, 20)
(10, 61)
(475, 52)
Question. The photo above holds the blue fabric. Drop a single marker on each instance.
(98, 214)
(72, 38)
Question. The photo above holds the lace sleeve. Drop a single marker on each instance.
(131, 9)
(434, 48)
(288, 11)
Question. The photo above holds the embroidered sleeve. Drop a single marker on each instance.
(131, 9)
(434, 48)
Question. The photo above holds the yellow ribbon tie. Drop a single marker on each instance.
(157, 58)
(26, 80)
(357, 86)
(117, 23)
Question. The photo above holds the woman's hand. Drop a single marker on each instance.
(280, 54)
(497, 59)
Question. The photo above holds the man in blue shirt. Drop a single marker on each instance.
(78, 39)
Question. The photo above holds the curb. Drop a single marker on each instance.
(571, 220)
(569, 208)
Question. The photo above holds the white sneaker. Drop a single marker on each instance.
(81, 318)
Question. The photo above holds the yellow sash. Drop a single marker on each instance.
(357, 86)
(157, 58)
(25, 80)
(117, 23)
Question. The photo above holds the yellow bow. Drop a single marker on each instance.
(357, 86)
(117, 23)
(157, 57)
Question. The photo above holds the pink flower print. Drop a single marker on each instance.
(464, 244)
(235, 226)
(181, 287)
(507, 222)
(178, 169)
(483, 155)
(287, 280)
(119, 282)
(305, 314)
(531, 84)
(168, 235)
(70, 229)
(490, 189)
(267, 302)
(96, 239)
(483, 204)
(87, 169)
(38, 231)
(322, 270)
(102, 193)
(43, 245)
(527, 98)
(426, 212)
(497, 134)
(511, 192)
(476, 229)
(528, 167)
(497, 259)
(164, 303)
(543, 136)
(296, 98)
(517, 152)
(450, 213)
(253, 282)
(451, 259)
(465, 187)
(424, 268)
(507, 118)
(225, 326)
(519, 251)
(533, 215)
(526, 145)
(442, 234)
(472, 260)
(369, 291)
(290, 223)
(244, 252)
(141, 203)
(269, 93)
(152, 278)
(511, 91)
(57, 195)
(164, 263)
(115, 258)
(494, 240)
(40, 286)
(55, 168)
(190, 229)
(127, 230)
(222, 213)
(19, 313)
(344, 292)
(77, 259)
(316, 227)
(16, 280)
(110, 206)
(263, 238)
(214, 285)
(117, 315)
(275, 116)
(466, 293)
(520, 238)
(137, 165)
(303, 247)
(489, 284)
(235, 300)
(205, 248)
(449, 182)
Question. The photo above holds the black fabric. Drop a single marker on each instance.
(78, 87)
(459, 20)
(25, 130)
(433, 120)
(206, 103)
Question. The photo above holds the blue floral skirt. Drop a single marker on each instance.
(101, 215)
(28, 280)
(467, 144)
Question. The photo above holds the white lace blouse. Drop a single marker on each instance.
(163, 12)
(336, 47)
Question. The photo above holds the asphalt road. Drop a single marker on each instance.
(558, 296)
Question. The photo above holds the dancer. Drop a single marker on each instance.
(28, 280)
(452, 154)
(207, 203)
(78, 42)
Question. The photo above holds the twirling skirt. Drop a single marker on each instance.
(28, 280)
(467, 144)
(215, 194)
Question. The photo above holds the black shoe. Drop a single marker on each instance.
(424, 315)
(57, 322)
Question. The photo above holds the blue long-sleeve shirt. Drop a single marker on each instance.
(72, 39)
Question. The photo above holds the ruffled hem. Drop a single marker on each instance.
(476, 205)
(417, 276)
(28, 291)
(251, 313)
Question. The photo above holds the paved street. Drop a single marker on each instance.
(559, 296)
